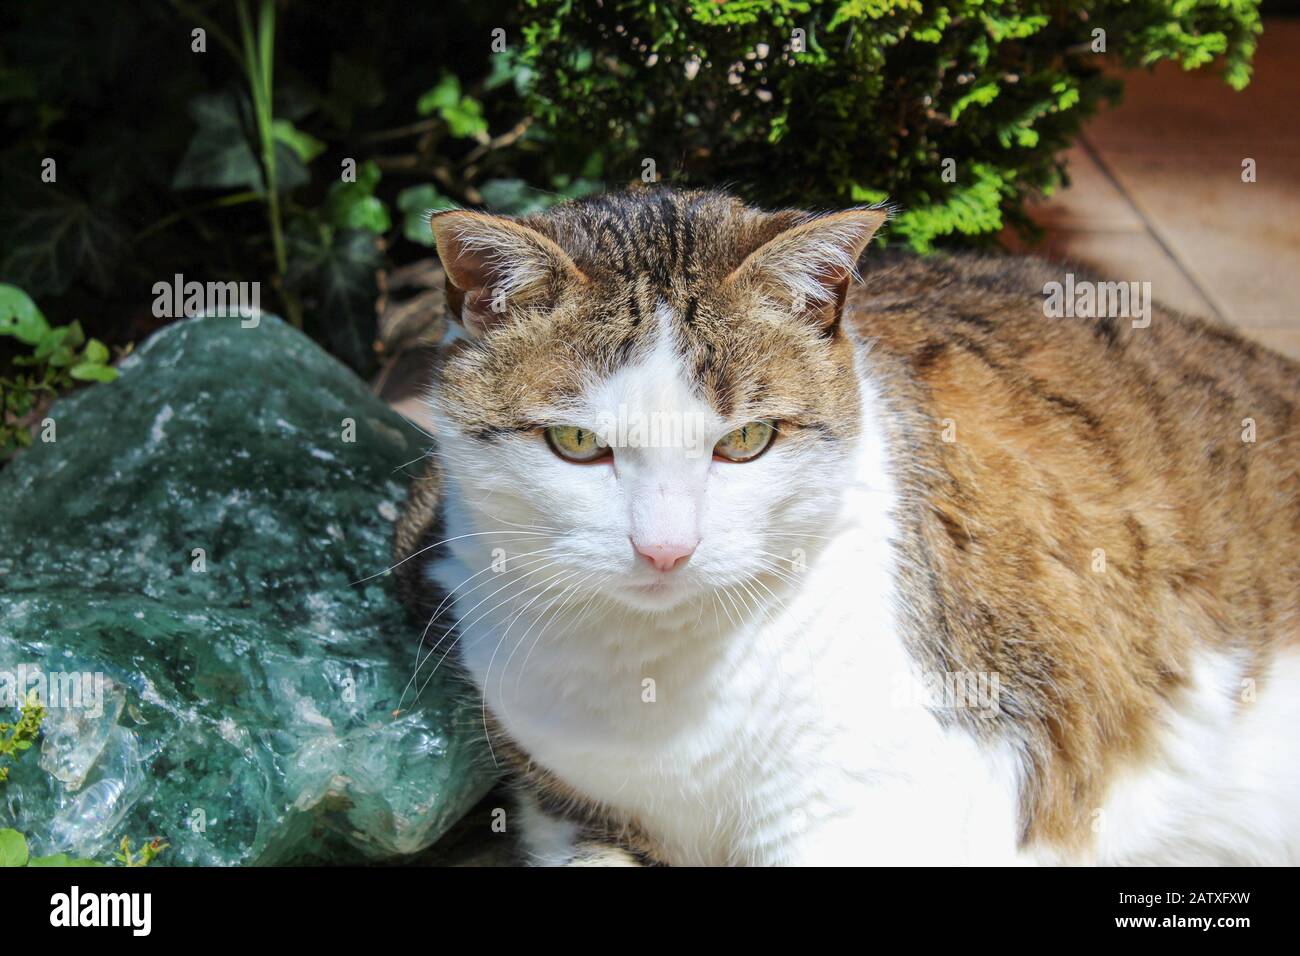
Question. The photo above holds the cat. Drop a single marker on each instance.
(910, 573)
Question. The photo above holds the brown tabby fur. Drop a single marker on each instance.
(1073, 438)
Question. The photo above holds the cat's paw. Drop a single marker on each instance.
(595, 853)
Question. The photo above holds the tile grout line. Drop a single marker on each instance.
(1149, 225)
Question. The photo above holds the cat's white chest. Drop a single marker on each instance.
(814, 749)
(795, 735)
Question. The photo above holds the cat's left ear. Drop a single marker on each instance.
(494, 263)
(810, 264)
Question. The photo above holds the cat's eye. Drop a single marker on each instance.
(575, 444)
(746, 442)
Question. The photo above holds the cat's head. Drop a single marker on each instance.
(655, 399)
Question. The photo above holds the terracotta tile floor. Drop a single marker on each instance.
(1157, 192)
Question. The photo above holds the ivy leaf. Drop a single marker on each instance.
(96, 352)
(415, 204)
(462, 114)
(13, 848)
(93, 372)
(55, 239)
(305, 146)
(465, 118)
(355, 206)
(514, 197)
(220, 154)
(443, 96)
(20, 317)
(57, 348)
(333, 272)
(362, 212)
(223, 153)
(54, 341)
(507, 67)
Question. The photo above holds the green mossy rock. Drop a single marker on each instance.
(190, 539)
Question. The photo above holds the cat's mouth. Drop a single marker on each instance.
(659, 585)
(657, 593)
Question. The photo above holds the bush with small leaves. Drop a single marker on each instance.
(954, 112)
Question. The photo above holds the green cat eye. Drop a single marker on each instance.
(575, 444)
(745, 443)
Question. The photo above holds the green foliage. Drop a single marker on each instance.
(148, 853)
(462, 114)
(54, 238)
(220, 155)
(353, 205)
(14, 853)
(515, 197)
(871, 103)
(54, 360)
(19, 737)
(228, 164)
(332, 271)
(415, 204)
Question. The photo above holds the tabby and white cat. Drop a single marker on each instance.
(755, 563)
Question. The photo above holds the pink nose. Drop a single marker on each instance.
(665, 557)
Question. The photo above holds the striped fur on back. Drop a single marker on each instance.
(1086, 506)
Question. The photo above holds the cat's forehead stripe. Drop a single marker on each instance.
(657, 261)
(673, 239)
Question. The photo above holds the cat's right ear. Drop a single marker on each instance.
(810, 262)
(494, 264)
